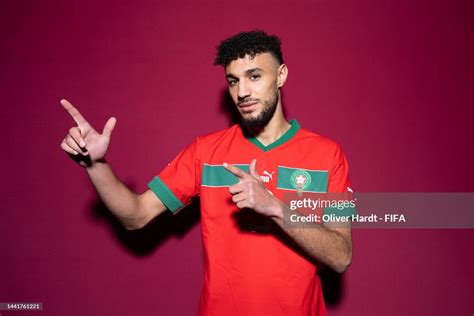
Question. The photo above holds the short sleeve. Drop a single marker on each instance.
(179, 182)
(339, 186)
(339, 174)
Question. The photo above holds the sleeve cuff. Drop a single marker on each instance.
(165, 195)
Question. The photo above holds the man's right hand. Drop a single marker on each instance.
(83, 143)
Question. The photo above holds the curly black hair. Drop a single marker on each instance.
(248, 43)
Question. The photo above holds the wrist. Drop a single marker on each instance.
(278, 210)
(94, 165)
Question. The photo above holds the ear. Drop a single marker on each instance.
(282, 75)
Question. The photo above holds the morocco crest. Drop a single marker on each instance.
(300, 180)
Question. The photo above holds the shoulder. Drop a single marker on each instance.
(324, 150)
(219, 136)
(316, 141)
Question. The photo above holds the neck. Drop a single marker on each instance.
(274, 129)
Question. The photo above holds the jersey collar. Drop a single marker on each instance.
(294, 128)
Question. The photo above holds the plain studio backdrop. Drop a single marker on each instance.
(391, 81)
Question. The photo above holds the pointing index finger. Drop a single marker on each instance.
(75, 114)
(239, 173)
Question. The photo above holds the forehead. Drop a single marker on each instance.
(264, 61)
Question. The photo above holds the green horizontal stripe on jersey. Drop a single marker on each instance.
(218, 176)
(319, 179)
(343, 212)
(165, 195)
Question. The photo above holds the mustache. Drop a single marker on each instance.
(247, 100)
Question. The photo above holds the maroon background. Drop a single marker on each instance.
(392, 81)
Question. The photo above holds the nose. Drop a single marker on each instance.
(244, 91)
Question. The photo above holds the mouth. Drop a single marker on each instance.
(248, 106)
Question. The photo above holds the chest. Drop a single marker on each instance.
(278, 170)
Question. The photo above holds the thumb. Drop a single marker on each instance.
(253, 169)
(109, 126)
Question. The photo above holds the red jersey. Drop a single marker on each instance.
(250, 266)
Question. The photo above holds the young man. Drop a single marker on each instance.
(255, 264)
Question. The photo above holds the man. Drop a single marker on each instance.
(255, 264)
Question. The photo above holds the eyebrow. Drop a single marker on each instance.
(247, 72)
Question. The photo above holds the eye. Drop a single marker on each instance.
(232, 82)
(254, 77)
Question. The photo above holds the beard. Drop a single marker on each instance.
(262, 119)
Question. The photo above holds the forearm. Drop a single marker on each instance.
(121, 201)
(328, 246)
